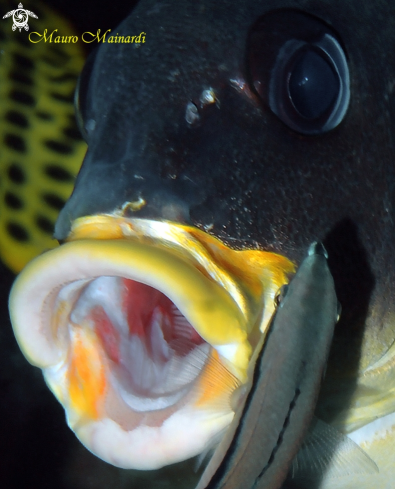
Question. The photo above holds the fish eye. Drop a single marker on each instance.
(280, 294)
(85, 124)
(313, 84)
(298, 68)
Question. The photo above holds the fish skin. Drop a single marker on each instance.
(242, 173)
(287, 378)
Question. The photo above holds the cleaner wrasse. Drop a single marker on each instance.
(287, 377)
(211, 125)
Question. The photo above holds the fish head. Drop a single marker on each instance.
(203, 131)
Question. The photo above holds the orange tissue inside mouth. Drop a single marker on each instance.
(86, 374)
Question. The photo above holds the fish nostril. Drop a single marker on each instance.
(192, 114)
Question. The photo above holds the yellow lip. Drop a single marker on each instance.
(226, 296)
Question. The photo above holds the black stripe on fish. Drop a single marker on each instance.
(280, 436)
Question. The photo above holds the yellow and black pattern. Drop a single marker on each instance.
(41, 149)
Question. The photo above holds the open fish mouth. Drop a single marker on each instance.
(146, 332)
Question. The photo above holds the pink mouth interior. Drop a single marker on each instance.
(153, 351)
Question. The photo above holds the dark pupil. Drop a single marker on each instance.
(313, 85)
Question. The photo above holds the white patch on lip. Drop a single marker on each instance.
(153, 448)
(227, 351)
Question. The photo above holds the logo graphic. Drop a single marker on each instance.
(20, 17)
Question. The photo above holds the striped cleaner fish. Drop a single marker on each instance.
(42, 148)
(235, 128)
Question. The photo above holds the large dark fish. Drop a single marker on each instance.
(212, 123)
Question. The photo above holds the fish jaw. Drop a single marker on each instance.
(146, 333)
